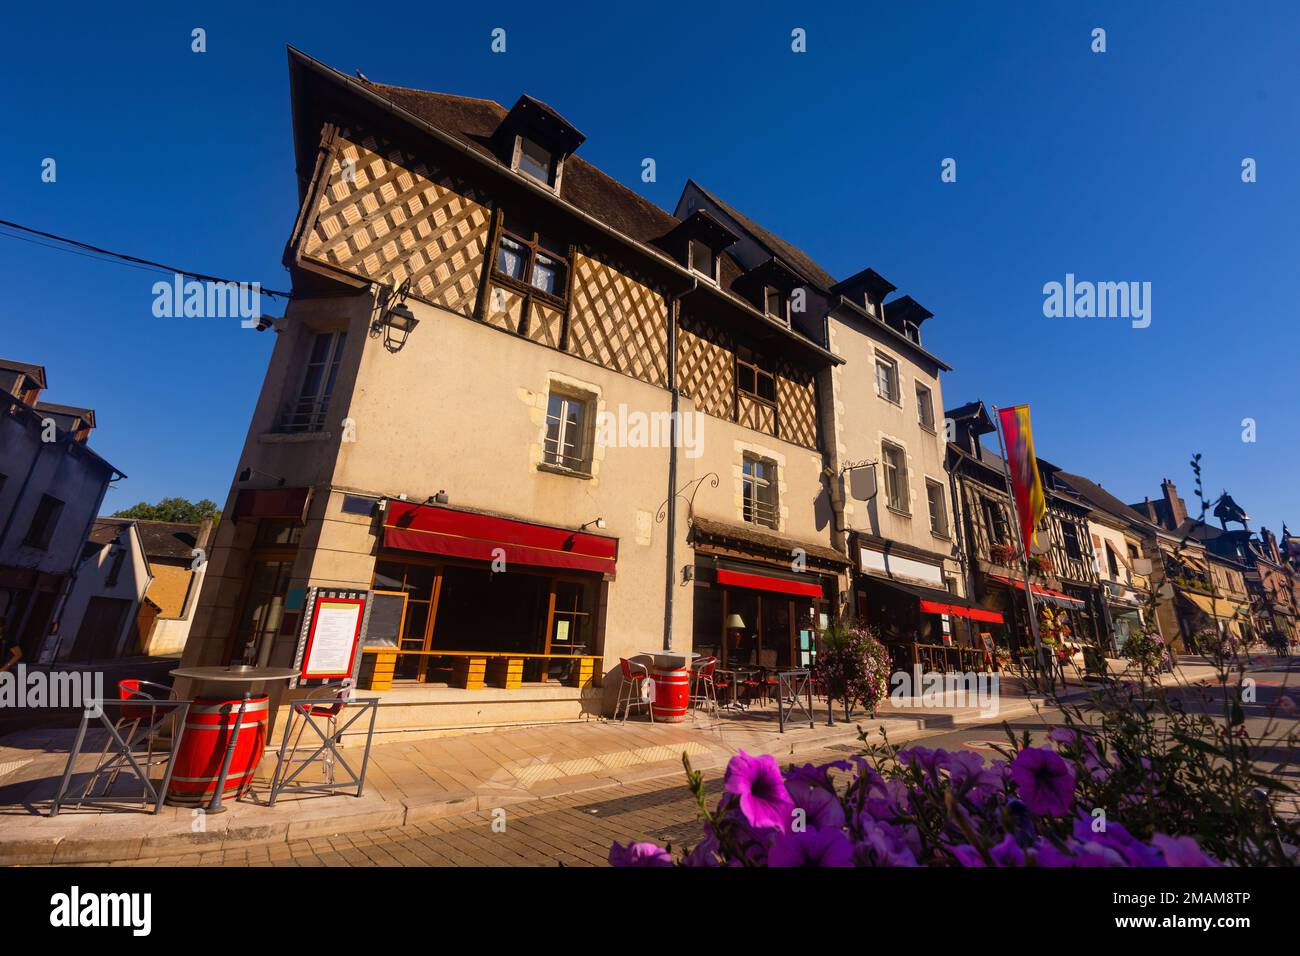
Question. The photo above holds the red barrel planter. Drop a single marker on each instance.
(672, 694)
(208, 732)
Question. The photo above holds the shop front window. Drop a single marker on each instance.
(268, 586)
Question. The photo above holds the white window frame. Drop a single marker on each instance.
(759, 492)
(921, 406)
(307, 412)
(553, 455)
(552, 182)
(900, 483)
(884, 360)
(712, 274)
(784, 315)
(944, 530)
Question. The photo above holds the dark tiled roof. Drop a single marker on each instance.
(87, 415)
(799, 260)
(473, 121)
(968, 410)
(35, 371)
(105, 530)
(168, 539)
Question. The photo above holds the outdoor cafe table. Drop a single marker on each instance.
(224, 735)
(672, 683)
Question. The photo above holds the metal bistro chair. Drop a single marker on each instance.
(326, 702)
(704, 688)
(131, 716)
(630, 691)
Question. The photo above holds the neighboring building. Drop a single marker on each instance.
(106, 607)
(881, 406)
(1122, 541)
(1063, 570)
(406, 460)
(135, 590)
(1180, 571)
(1269, 578)
(52, 485)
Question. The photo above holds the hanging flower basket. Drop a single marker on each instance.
(1002, 553)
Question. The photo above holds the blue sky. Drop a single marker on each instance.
(1122, 166)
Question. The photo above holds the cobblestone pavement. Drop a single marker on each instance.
(574, 830)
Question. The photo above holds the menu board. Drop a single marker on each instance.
(332, 638)
(387, 608)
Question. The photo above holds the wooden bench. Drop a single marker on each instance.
(474, 669)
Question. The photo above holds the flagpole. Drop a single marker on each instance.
(1024, 548)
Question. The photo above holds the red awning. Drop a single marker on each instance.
(764, 582)
(1053, 597)
(465, 534)
(272, 503)
(957, 610)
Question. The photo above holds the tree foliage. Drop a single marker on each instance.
(172, 509)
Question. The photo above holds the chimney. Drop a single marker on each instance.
(1177, 510)
(1270, 545)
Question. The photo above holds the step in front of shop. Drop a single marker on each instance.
(411, 711)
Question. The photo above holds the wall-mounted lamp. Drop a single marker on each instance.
(248, 473)
(688, 573)
(439, 499)
(599, 523)
(395, 321)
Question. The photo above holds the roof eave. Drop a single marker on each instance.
(893, 333)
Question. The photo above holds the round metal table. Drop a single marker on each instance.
(224, 735)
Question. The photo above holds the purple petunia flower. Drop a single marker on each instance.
(1115, 837)
(967, 772)
(1076, 854)
(756, 781)
(812, 847)
(1008, 852)
(1045, 782)
(1182, 851)
(884, 844)
(639, 854)
(967, 856)
(705, 852)
(814, 794)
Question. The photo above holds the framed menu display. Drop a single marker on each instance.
(333, 622)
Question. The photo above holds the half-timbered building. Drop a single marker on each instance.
(530, 406)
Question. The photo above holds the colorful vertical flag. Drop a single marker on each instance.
(1031, 503)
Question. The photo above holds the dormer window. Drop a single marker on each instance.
(536, 161)
(703, 260)
(535, 140)
(913, 332)
(776, 304)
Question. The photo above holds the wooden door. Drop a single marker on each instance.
(101, 627)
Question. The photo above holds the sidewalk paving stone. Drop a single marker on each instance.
(435, 783)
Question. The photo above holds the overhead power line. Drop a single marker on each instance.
(107, 255)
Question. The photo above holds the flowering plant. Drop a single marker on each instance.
(915, 807)
(854, 667)
(1041, 563)
(1002, 553)
(1146, 649)
(1136, 777)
